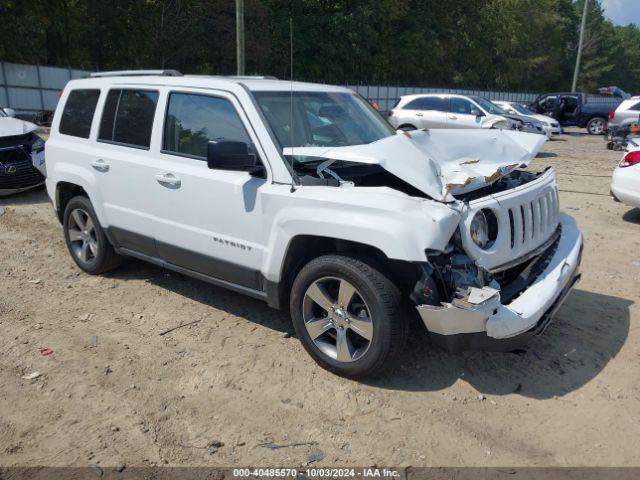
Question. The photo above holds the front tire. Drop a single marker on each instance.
(86, 241)
(347, 315)
(596, 126)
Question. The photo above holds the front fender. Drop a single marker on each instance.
(400, 228)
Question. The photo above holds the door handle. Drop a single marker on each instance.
(453, 117)
(168, 180)
(100, 165)
(419, 114)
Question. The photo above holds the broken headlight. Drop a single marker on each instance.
(38, 145)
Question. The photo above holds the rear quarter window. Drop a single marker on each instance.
(78, 113)
(427, 103)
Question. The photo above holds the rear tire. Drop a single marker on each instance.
(86, 241)
(596, 126)
(347, 315)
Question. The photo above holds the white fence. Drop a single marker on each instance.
(31, 89)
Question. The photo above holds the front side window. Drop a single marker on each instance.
(321, 119)
(194, 120)
(128, 117)
(78, 113)
(461, 106)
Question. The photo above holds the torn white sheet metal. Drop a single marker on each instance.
(441, 163)
(482, 311)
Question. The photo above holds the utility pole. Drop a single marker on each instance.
(582, 27)
(240, 36)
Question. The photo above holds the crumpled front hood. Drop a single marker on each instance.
(441, 163)
(11, 127)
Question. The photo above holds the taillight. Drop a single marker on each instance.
(611, 114)
(630, 159)
(390, 113)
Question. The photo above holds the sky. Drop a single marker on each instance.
(622, 12)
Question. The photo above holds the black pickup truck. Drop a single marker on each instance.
(574, 110)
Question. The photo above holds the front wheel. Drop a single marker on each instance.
(596, 126)
(347, 315)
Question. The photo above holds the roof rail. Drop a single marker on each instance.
(249, 77)
(136, 73)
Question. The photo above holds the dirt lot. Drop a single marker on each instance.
(114, 390)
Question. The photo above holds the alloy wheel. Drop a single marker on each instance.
(337, 319)
(82, 236)
(596, 127)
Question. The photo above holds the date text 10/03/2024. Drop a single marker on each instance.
(316, 472)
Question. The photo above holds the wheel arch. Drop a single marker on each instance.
(304, 248)
(65, 191)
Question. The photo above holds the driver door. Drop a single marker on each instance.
(462, 114)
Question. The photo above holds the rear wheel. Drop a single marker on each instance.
(596, 126)
(347, 315)
(86, 241)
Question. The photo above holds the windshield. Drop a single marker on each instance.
(521, 110)
(321, 119)
(488, 106)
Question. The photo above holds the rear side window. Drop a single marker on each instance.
(78, 113)
(193, 120)
(127, 118)
(635, 108)
(428, 103)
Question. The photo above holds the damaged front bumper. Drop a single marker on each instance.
(481, 321)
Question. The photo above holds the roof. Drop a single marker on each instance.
(204, 81)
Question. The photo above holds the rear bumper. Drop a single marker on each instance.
(624, 187)
(484, 322)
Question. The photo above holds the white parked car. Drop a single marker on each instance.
(625, 185)
(550, 125)
(303, 196)
(22, 165)
(440, 110)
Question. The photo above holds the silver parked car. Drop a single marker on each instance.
(444, 110)
(550, 125)
(628, 112)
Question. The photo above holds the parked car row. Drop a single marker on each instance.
(439, 110)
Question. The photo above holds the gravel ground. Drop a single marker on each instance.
(236, 389)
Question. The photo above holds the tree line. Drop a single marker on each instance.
(526, 45)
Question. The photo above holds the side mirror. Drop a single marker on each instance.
(229, 155)
(10, 112)
(476, 112)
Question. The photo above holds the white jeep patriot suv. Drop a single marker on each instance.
(302, 195)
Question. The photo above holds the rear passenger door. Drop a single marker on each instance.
(123, 167)
(208, 221)
(429, 112)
